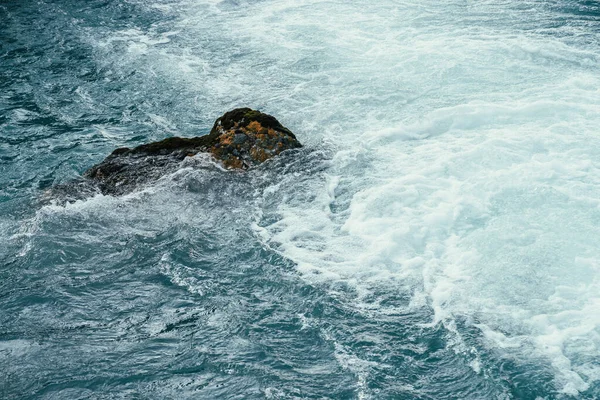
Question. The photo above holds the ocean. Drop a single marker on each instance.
(437, 237)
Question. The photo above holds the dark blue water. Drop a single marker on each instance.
(435, 239)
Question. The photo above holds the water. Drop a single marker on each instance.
(436, 238)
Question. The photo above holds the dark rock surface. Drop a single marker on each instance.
(239, 139)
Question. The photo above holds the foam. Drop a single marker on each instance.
(468, 210)
(465, 171)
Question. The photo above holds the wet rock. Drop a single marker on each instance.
(240, 139)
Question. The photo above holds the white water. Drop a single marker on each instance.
(465, 150)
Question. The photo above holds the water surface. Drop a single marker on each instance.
(437, 237)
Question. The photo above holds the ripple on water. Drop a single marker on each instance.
(436, 238)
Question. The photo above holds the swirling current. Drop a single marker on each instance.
(436, 238)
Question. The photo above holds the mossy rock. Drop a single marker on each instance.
(242, 117)
(240, 139)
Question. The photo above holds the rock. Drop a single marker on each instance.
(240, 139)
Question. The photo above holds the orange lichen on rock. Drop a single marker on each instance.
(233, 163)
(226, 138)
(255, 126)
(259, 154)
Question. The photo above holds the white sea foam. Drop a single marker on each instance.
(466, 171)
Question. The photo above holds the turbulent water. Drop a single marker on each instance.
(437, 238)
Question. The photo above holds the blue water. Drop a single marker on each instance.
(437, 237)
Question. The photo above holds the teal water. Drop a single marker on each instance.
(437, 237)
